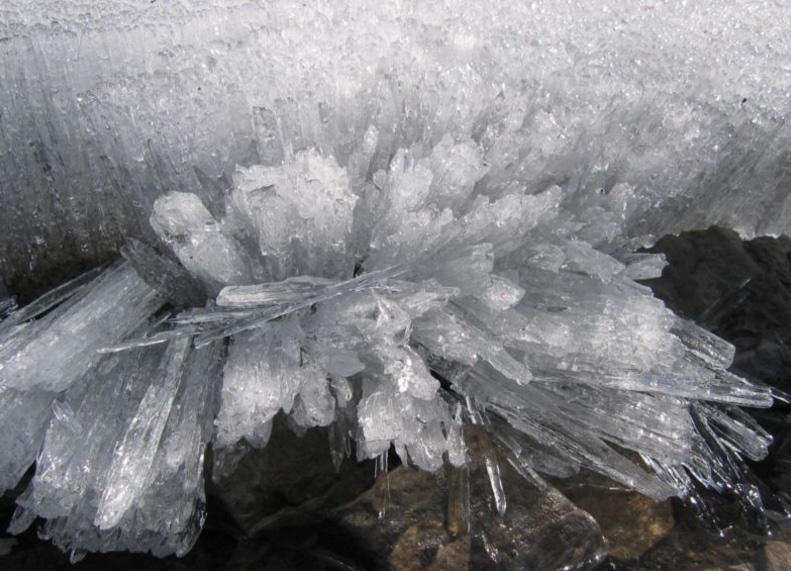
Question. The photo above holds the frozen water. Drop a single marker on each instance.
(133, 457)
(300, 213)
(45, 350)
(117, 103)
(572, 352)
(182, 221)
(260, 378)
(384, 212)
(52, 352)
(132, 477)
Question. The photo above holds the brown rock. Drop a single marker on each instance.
(540, 529)
(775, 556)
(631, 522)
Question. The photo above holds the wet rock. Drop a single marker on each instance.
(693, 546)
(428, 526)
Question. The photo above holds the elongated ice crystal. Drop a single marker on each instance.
(437, 222)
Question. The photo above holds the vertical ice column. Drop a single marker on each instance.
(172, 502)
(301, 214)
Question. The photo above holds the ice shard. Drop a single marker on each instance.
(51, 353)
(51, 343)
(131, 478)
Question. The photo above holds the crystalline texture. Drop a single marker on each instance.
(72, 465)
(301, 214)
(133, 458)
(393, 211)
(65, 346)
(260, 378)
(147, 492)
(22, 419)
(199, 242)
(43, 350)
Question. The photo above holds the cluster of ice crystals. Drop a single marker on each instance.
(300, 214)
(414, 217)
(123, 469)
(40, 357)
(345, 301)
(423, 271)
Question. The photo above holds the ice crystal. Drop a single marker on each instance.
(442, 234)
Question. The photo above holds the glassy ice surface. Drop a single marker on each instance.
(389, 221)
(52, 352)
(132, 476)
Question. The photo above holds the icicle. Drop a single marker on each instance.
(490, 459)
(22, 519)
(382, 485)
(77, 555)
(458, 500)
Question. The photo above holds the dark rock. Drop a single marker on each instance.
(705, 267)
(692, 547)
(290, 482)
